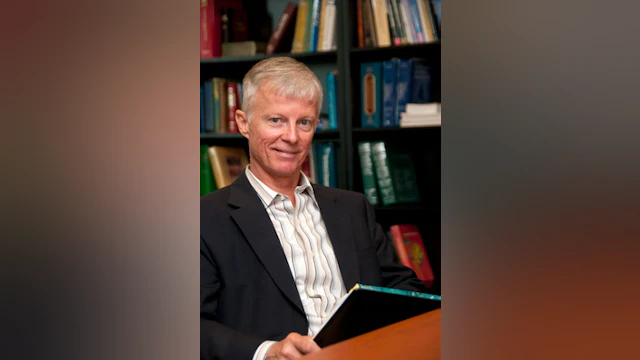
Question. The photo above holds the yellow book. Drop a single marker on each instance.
(323, 21)
(227, 164)
(380, 11)
(299, 33)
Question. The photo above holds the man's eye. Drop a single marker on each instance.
(275, 120)
(305, 122)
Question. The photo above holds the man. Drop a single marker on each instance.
(277, 253)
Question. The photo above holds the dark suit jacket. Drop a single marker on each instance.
(247, 292)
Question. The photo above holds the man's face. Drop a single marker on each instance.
(280, 135)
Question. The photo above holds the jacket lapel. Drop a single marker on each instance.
(252, 219)
(338, 223)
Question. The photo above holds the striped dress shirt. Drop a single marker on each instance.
(307, 247)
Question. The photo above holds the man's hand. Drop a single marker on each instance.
(292, 347)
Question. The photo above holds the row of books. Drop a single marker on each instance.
(221, 97)
(382, 23)
(388, 173)
(387, 87)
(221, 165)
(409, 247)
(219, 100)
(308, 26)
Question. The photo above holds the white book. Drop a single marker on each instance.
(433, 108)
(412, 120)
(329, 29)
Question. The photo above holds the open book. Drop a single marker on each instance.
(366, 308)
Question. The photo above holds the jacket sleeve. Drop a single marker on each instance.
(393, 273)
(218, 341)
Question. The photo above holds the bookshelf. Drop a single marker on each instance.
(423, 143)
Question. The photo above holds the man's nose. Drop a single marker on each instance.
(291, 133)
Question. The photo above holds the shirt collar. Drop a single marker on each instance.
(268, 195)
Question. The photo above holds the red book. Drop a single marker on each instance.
(232, 102)
(410, 249)
(282, 37)
(211, 25)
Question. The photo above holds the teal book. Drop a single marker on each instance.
(371, 94)
(332, 102)
(366, 308)
(395, 174)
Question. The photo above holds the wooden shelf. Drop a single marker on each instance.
(322, 56)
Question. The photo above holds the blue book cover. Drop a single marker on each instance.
(389, 73)
(371, 94)
(314, 25)
(331, 100)
(417, 25)
(403, 86)
(208, 106)
(420, 83)
(201, 109)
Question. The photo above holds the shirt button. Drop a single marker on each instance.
(313, 254)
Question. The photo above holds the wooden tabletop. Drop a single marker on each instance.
(414, 338)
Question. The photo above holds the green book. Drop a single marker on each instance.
(368, 175)
(207, 182)
(366, 308)
(395, 173)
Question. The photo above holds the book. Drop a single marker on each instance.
(369, 26)
(313, 25)
(332, 103)
(232, 106)
(367, 172)
(282, 37)
(366, 308)
(327, 39)
(429, 31)
(389, 73)
(395, 174)
(371, 94)
(432, 108)
(209, 30)
(411, 252)
(207, 182)
(395, 10)
(359, 23)
(209, 107)
(243, 48)
(379, 9)
(325, 154)
(227, 164)
(419, 120)
(421, 74)
(403, 87)
(202, 115)
(300, 31)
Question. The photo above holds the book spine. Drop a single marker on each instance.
(403, 175)
(420, 83)
(405, 15)
(383, 173)
(283, 24)
(369, 25)
(425, 22)
(322, 25)
(435, 10)
(217, 104)
(232, 101)
(209, 106)
(359, 22)
(301, 27)
(393, 29)
(313, 19)
(389, 72)
(371, 89)
(206, 29)
(331, 100)
(417, 25)
(319, 150)
(380, 11)
(414, 245)
(396, 16)
(368, 175)
(329, 42)
(403, 87)
(223, 123)
(202, 116)
(207, 183)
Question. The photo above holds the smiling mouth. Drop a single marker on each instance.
(285, 153)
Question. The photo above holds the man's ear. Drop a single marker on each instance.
(243, 123)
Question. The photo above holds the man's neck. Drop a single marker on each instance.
(283, 185)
